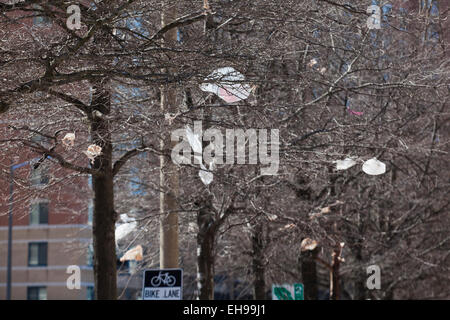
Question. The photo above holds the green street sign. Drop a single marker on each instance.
(288, 292)
(298, 291)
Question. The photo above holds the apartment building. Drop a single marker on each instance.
(45, 213)
(51, 230)
(51, 208)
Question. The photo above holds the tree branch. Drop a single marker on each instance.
(182, 21)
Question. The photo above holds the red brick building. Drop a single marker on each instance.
(50, 229)
(50, 209)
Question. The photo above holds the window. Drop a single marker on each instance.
(123, 267)
(90, 293)
(39, 213)
(39, 16)
(37, 254)
(37, 293)
(39, 139)
(90, 212)
(90, 255)
(39, 176)
(133, 266)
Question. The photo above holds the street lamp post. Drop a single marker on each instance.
(10, 223)
(12, 168)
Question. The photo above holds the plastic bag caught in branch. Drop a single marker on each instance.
(69, 140)
(206, 176)
(135, 253)
(374, 167)
(308, 244)
(227, 83)
(92, 152)
(124, 229)
(344, 164)
(194, 141)
(196, 145)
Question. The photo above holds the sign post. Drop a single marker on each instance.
(163, 284)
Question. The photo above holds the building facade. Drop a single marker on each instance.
(49, 208)
(51, 230)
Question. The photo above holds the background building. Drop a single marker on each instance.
(51, 231)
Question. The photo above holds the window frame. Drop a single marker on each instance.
(90, 293)
(39, 19)
(90, 255)
(40, 176)
(42, 216)
(40, 245)
(30, 288)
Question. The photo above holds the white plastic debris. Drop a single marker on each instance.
(192, 227)
(125, 218)
(123, 229)
(194, 141)
(69, 140)
(312, 63)
(287, 227)
(135, 253)
(227, 83)
(374, 167)
(308, 244)
(345, 164)
(206, 176)
(93, 151)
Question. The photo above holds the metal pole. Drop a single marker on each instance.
(10, 223)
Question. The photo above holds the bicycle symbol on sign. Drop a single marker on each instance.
(163, 278)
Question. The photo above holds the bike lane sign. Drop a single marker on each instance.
(163, 284)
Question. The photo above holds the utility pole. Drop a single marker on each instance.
(12, 168)
(10, 223)
(169, 172)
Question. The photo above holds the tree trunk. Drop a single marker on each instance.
(205, 254)
(360, 282)
(335, 285)
(169, 174)
(104, 239)
(104, 217)
(309, 273)
(205, 220)
(258, 262)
